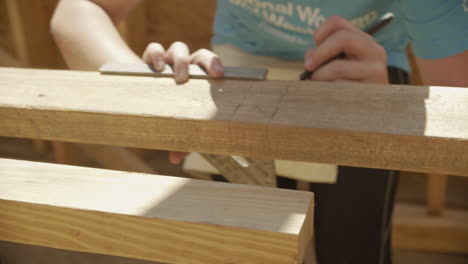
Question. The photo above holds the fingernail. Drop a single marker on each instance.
(218, 68)
(160, 65)
(182, 75)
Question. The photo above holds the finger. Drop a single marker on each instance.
(176, 157)
(332, 25)
(351, 70)
(179, 55)
(356, 45)
(308, 57)
(210, 61)
(154, 54)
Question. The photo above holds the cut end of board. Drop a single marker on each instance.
(195, 71)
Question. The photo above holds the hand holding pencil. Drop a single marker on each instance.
(345, 53)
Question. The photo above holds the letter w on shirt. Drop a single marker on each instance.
(307, 15)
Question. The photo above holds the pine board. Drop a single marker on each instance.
(413, 128)
(158, 218)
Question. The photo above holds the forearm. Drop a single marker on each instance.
(87, 37)
(449, 71)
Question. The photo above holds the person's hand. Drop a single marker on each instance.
(179, 56)
(366, 60)
(176, 157)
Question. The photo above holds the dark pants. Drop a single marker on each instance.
(353, 216)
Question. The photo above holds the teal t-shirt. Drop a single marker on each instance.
(284, 29)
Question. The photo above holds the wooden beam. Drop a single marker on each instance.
(7, 60)
(116, 158)
(41, 146)
(29, 23)
(414, 229)
(435, 193)
(65, 153)
(17, 29)
(158, 218)
(380, 126)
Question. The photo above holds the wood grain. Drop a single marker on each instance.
(414, 229)
(159, 218)
(409, 128)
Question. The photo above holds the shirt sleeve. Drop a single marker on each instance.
(436, 28)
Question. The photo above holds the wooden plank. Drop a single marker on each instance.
(22, 59)
(414, 229)
(254, 171)
(159, 218)
(435, 197)
(380, 126)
